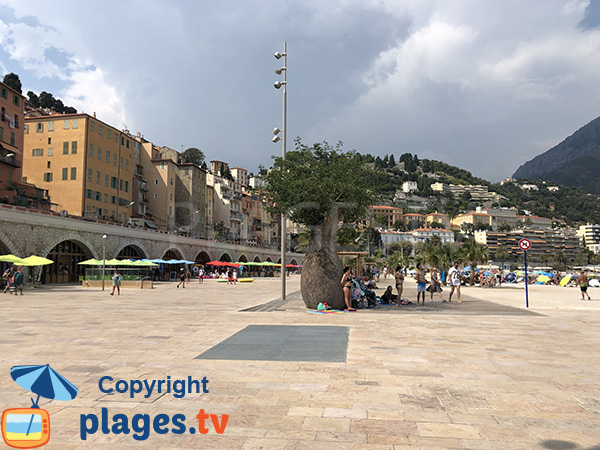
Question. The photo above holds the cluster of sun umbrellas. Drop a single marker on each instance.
(29, 261)
(237, 264)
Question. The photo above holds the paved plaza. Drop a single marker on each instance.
(483, 374)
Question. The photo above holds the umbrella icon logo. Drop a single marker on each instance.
(30, 427)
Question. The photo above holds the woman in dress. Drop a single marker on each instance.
(346, 283)
(399, 276)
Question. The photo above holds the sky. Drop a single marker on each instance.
(484, 85)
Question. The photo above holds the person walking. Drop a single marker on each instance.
(116, 282)
(201, 275)
(181, 278)
(346, 283)
(421, 283)
(188, 276)
(399, 278)
(435, 286)
(8, 276)
(582, 281)
(454, 279)
(18, 280)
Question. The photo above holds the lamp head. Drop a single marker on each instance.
(278, 55)
(10, 155)
(276, 139)
(104, 236)
(278, 84)
(276, 131)
(279, 71)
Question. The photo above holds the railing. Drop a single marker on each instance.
(10, 160)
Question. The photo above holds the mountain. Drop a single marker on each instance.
(573, 162)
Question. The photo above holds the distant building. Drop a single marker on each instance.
(390, 214)
(477, 192)
(409, 186)
(440, 218)
(413, 220)
(507, 181)
(240, 175)
(589, 236)
(553, 188)
(529, 187)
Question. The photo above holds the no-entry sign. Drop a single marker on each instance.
(524, 244)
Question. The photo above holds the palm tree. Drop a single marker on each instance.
(560, 260)
(502, 254)
(474, 253)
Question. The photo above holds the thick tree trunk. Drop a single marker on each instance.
(322, 268)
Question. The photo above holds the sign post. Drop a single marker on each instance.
(525, 244)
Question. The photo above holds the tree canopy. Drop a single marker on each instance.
(12, 80)
(193, 155)
(312, 181)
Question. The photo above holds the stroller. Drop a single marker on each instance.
(362, 297)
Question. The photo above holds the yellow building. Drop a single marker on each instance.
(85, 164)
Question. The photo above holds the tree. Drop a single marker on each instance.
(474, 253)
(193, 155)
(59, 106)
(560, 260)
(404, 247)
(33, 99)
(502, 254)
(12, 80)
(317, 186)
(581, 259)
(47, 100)
(504, 226)
(392, 161)
(371, 239)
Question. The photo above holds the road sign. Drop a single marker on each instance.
(524, 244)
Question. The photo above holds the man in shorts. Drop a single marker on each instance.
(583, 283)
(454, 281)
(421, 283)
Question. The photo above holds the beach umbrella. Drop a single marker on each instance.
(34, 260)
(45, 382)
(158, 261)
(91, 262)
(595, 283)
(565, 280)
(543, 279)
(11, 259)
(215, 263)
(510, 277)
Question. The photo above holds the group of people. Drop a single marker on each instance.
(13, 280)
(435, 285)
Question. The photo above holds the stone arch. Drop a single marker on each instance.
(67, 255)
(257, 259)
(83, 242)
(279, 261)
(6, 243)
(131, 251)
(243, 258)
(172, 253)
(269, 259)
(225, 257)
(294, 262)
(203, 257)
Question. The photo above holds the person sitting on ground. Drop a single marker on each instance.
(388, 296)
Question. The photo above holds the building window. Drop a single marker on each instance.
(113, 199)
(121, 184)
(127, 142)
(116, 138)
(75, 124)
(171, 197)
(51, 125)
(121, 162)
(105, 198)
(26, 128)
(65, 173)
(155, 196)
(65, 148)
(73, 173)
(113, 182)
(170, 210)
(50, 151)
(48, 164)
(98, 176)
(92, 125)
(162, 165)
(90, 175)
(74, 147)
(156, 182)
(171, 181)
(39, 127)
(4, 93)
(106, 180)
(66, 124)
(16, 100)
(99, 151)
(1, 134)
(49, 141)
(115, 160)
(91, 152)
(107, 157)
(48, 176)
(126, 186)
(108, 133)
(98, 196)
(12, 138)
(122, 140)
(37, 152)
(100, 130)
(127, 165)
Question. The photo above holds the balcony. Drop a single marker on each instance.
(9, 160)
(235, 215)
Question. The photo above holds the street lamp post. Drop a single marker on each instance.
(103, 258)
(276, 138)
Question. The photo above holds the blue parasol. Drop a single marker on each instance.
(45, 382)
